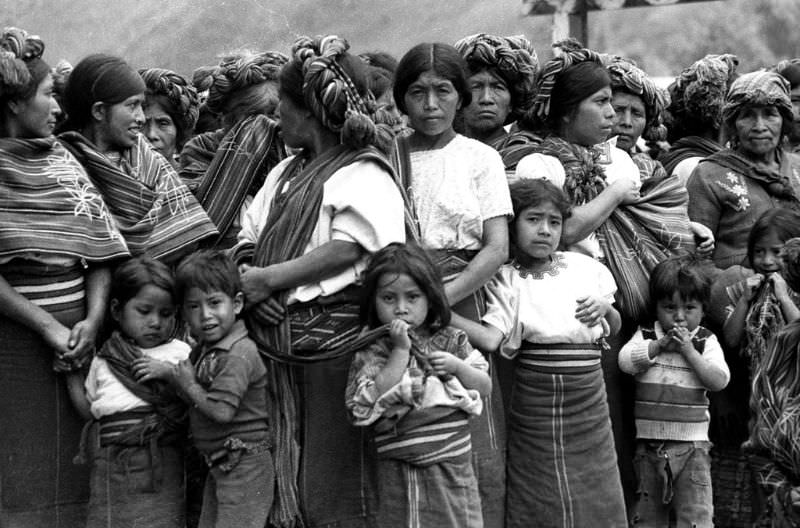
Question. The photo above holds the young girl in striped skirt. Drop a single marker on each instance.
(417, 387)
(549, 311)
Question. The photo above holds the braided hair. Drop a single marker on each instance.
(21, 66)
(177, 96)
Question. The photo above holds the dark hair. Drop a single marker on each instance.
(530, 193)
(785, 223)
(136, 273)
(411, 260)
(380, 59)
(442, 59)
(572, 86)
(210, 271)
(791, 72)
(685, 274)
(290, 83)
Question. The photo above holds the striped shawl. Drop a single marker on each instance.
(154, 211)
(197, 155)
(49, 205)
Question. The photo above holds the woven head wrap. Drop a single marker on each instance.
(512, 58)
(238, 72)
(626, 76)
(21, 65)
(181, 95)
(569, 52)
(332, 96)
(761, 88)
(698, 93)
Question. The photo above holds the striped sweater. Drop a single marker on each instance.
(671, 402)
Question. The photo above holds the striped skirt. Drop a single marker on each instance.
(562, 468)
(40, 434)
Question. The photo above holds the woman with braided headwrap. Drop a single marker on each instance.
(639, 105)
(502, 78)
(459, 196)
(171, 108)
(304, 241)
(693, 117)
(57, 238)
(226, 167)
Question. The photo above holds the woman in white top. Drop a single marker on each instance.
(459, 195)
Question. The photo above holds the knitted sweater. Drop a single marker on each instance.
(671, 402)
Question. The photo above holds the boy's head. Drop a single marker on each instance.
(680, 288)
(210, 292)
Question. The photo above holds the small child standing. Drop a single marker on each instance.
(675, 362)
(226, 386)
(417, 388)
(137, 469)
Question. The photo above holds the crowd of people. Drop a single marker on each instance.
(459, 289)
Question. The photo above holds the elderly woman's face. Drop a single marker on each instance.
(630, 119)
(431, 102)
(37, 115)
(758, 129)
(592, 121)
(491, 103)
(159, 129)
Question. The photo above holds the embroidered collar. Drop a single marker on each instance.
(556, 263)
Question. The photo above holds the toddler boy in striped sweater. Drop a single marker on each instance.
(675, 361)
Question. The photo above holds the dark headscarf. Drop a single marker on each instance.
(98, 78)
(626, 76)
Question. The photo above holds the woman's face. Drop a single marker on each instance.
(159, 129)
(292, 122)
(431, 103)
(491, 103)
(122, 122)
(630, 119)
(37, 115)
(592, 121)
(758, 129)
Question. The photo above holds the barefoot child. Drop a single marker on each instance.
(137, 468)
(549, 311)
(675, 362)
(225, 384)
(423, 378)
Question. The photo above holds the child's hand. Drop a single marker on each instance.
(682, 339)
(147, 368)
(779, 285)
(751, 285)
(398, 332)
(591, 309)
(443, 363)
(183, 373)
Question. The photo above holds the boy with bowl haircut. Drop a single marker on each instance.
(675, 362)
(226, 385)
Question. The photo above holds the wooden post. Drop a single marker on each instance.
(579, 26)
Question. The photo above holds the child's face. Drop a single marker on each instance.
(767, 254)
(148, 318)
(672, 312)
(399, 297)
(210, 315)
(538, 231)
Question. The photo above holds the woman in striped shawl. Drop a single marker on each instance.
(305, 239)
(57, 239)
(154, 210)
(224, 168)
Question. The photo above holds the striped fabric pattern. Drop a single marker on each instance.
(52, 289)
(560, 358)
(427, 436)
(116, 426)
(49, 205)
(153, 209)
(246, 154)
(514, 146)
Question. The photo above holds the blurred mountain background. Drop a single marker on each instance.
(184, 34)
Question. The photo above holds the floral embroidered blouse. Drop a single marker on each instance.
(729, 203)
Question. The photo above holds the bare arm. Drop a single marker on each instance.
(733, 328)
(83, 334)
(183, 376)
(587, 218)
(485, 264)
(325, 261)
(483, 337)
(17, 308)
(77, 394)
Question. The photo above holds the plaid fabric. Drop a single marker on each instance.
(154, 211)
(49, 205)
(245, 155)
